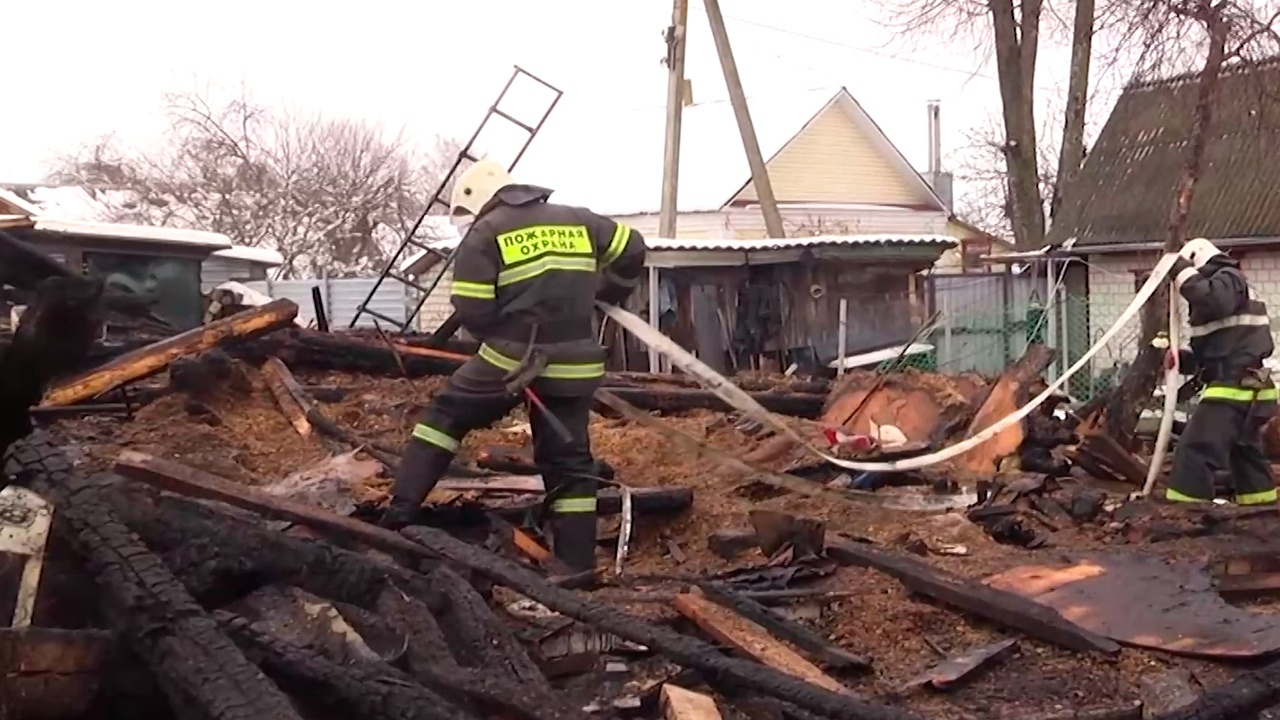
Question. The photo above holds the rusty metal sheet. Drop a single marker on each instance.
(947, 673)
(1147, 602)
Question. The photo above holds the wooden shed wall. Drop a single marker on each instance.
(884, 309)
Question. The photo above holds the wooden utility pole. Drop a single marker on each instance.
(759, 174)
(676, 35)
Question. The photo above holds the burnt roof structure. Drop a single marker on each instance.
(1125, 190)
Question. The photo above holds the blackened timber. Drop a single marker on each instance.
(153, 358)
(684, 650)
(348, 352)
(431, 663)
(192, 660)
(374, 690)
(434, 544)
(1244, 696)
(478, 639)
(673, 400)
(810, 642)
(998, 606)
(283, 377)
(222, 557)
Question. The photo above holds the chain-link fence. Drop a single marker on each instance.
(984, 322)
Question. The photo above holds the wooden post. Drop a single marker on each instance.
(654, 312)
(759, 174)
(675, 110)
(842, 336)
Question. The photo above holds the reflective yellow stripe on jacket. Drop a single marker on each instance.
(1239, 394)
(474, 290)
(530, 270)
(617, 245)
(554, 371)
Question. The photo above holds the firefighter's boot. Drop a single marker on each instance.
(423, 466)
(573, 526)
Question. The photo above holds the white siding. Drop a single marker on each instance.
(341, 298)
(748, 224)
(1112, 285)
(437, 308)
(215, 270)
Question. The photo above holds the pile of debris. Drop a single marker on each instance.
(218, 526)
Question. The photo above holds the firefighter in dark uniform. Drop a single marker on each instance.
(1221, 446)
(527, 275)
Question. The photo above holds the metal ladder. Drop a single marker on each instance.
(392, 270)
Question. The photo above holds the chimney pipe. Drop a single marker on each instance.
(935, 137)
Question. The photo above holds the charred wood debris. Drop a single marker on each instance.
(171, 591)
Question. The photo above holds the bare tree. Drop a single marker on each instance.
(333, 196)
(979, 164)
(1231, 34)
(1071, 151)
(1012, 30)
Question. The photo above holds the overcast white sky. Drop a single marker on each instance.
(84, 67)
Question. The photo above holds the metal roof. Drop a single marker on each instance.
(422, 261)
(263, 256)
(1124, 191)
(714, 244)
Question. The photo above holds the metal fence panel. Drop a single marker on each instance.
(341, 298)
(985, 320)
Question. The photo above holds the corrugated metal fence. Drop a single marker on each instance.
(342, 297)
(986, 319)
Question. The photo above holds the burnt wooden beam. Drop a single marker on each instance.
(751, 640)
(348, 352)
(192, 660)
(674, 400)
(997, 606)
(221, 557)
(810, 642)
(429, 660)
(153, 358)
(428, 543)
(373, 690)
(273, 371)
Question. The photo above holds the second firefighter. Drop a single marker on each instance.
(1220, 450)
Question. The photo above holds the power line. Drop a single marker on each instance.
(846, 46)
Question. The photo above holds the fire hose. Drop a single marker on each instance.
(740, 400)
(1172, 378)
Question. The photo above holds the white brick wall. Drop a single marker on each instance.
(437, 308)
(1112, 285)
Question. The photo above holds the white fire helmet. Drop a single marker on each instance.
(1198, 251)
(475, 187)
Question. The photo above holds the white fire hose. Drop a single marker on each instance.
(739, 399)
(1172, 382)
